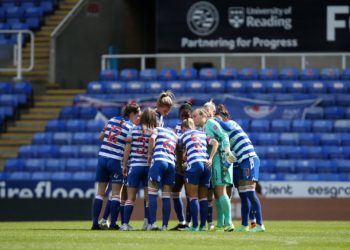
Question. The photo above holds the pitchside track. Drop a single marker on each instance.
(76, 235)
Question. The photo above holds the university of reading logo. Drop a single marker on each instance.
(202, 18)
(236, 16)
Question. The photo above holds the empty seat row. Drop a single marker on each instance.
(55, 151)
(13, 100)
(73, 112)
(53, 176)
(13, 9)
(18, 88)
(225, 74)
(311, 139)
(301, 166)
(218, 86)
(51, 164)
(66, 138)
(303, 152)
(304, 177)
(75, 125)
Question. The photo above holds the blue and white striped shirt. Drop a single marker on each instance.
(195, 143)
(114, 139)
(160, 122)
(240, 144)
(177, 130)
(139, 146)
(165, 145)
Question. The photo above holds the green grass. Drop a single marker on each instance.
(76, 235)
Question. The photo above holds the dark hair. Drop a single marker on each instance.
(222, 111)
(166, 98)
(131, 108)
(149, 118)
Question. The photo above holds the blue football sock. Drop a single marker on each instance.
(203, 208)
(121, 210)
(129, 206)
(115, 205)
(166, 208)
(210, 212)
(107, 210)
(188, 213)
(96, 209)
(256, 205)
(194, 208)
(152, 204)
(178, 206)
(245, 208)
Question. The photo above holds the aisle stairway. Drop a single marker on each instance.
(45, 108)
(42, 45)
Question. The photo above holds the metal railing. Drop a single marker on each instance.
(223, 57)
(18, 53)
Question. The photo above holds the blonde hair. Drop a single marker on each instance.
(166, 98)
(188, 123)
(210, 105)
(202, 112)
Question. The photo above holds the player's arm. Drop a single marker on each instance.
(151, 144)
(224, 141)
(102, 133)
(215, 145)
(127, 151)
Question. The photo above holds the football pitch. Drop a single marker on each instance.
(77, 235)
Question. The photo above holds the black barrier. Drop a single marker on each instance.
(253, 26)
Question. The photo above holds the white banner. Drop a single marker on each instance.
(304, 189)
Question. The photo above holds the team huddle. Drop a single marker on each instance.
(206, 153)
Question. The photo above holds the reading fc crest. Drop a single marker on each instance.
(236, 16)
(202, 18)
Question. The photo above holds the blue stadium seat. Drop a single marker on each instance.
(87, 113)
(61, 176)
(83, 176)
(289, 74)
(267, 177)
(275, 87)
(176, 86)
(326, 167)
(171, 123)
(94, 126)
(55, 125)
(343, 166)
(248, 74)
(267, 138)
(53, 164)
(260, 125)
(326, 100)
(40, 176)
(294, 87)
(114, 87)
(85, 138)
(274, 152)
(148, 75)
(342, 100)
(73, 165)
(17, 176)
(280, 125)
(289, 139)
(255, 87)
(208, 74)
(62, 138)
(347, 113)
(345, 74)
(154, 87)
(285, 166)
(4, 175)
(88, 151)
(46, 151)
(188, 74)
(322, 126)
(313, 152)
(245, 124)
(337, 87)
(196, 86)
(291, 152)
(305, 166)
(261, 151)
(309, 139)
(167, 75)
(309, 74)
(235, 87)
(268, 74)
(329, 74)
(344, 138)
(95, 87)
(42, 138)
(135, 87)
(316, 87)
(24, 88)
(69, 113)
(32, 165)
(14, 165)
(110, 112)
(109, 75)
(91, 164)
(14, 11)
(47, 6)
(331, 139)
(215, 86)
(301, 125)
(336, 152)
(314, 113)
(68, 151)
(27, 151)
(267, 166)
(334, 113)
(228, 74)
(128, 75)
(75, 125)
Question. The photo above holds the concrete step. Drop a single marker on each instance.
(16, 136)
(55, 98)
(45, 110)
(39, 116)
(65, 91)
(17, 143)
(7, 149)
(30, 130)
(7, 155)
(31, 123)
(56, 104)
